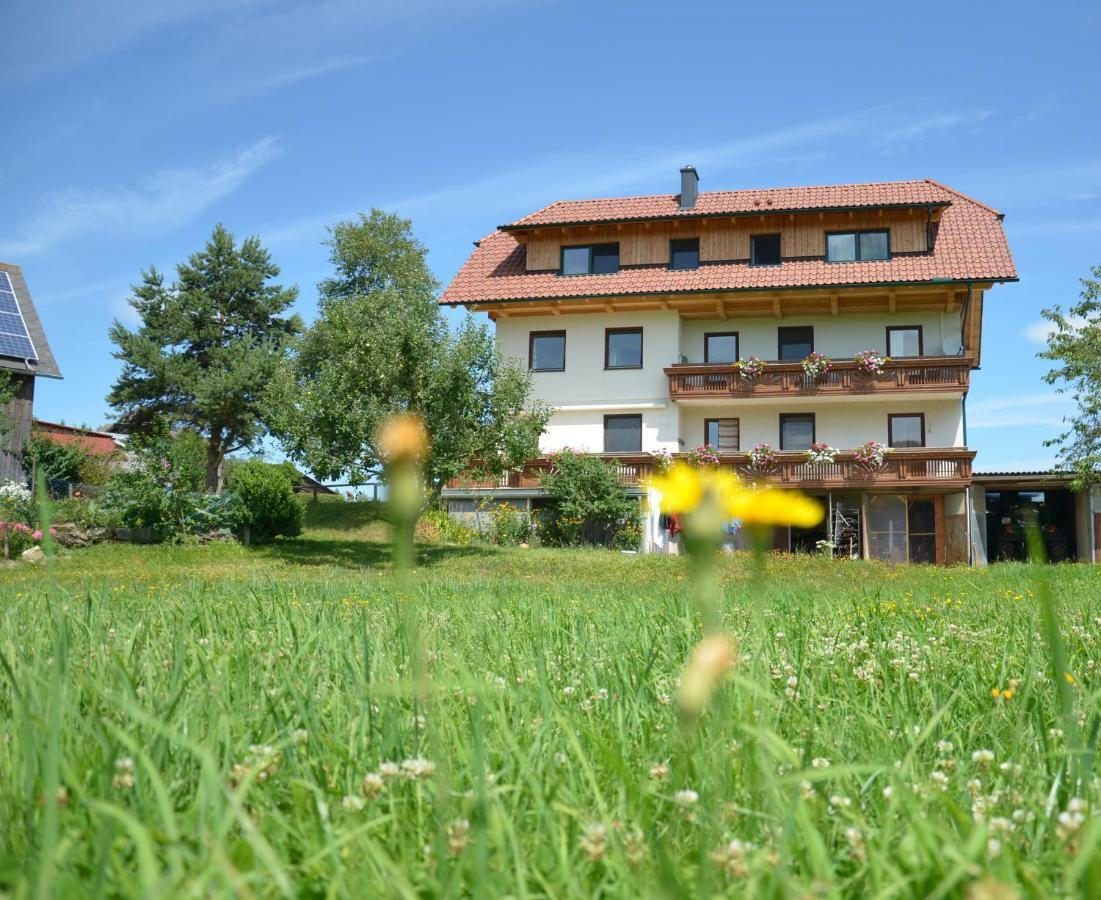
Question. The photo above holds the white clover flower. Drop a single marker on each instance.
(983, 757)
(820, 762)
(389, 769)
(687, 797)
(373, 784)
(351, 801)
(888, 793)
(594, 841)
(659, 771)
(418, 769)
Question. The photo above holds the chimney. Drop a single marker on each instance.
(689, 187)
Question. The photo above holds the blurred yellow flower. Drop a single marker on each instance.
(684, 488)
(402, 437)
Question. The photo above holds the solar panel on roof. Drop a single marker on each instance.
(14, 339)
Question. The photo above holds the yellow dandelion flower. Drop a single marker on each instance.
(1070, 678)
(684, 488)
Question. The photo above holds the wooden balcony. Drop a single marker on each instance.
(909, 468)
(924, 467)
(949, 374)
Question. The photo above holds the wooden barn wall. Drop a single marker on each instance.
(20, 414)
(726, 239)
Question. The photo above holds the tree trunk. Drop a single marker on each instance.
(214, 456)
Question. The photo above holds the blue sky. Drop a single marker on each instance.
(133, 127)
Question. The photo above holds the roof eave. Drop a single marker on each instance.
(737, 290)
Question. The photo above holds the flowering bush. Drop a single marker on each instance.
(751, 367)
(821, 454)
(16, 503)
(816, 365)
(18, 536)
(702, 456)
(761, 458)
(870, 362)
(871, 454)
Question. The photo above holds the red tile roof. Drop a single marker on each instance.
(970, 246)
(732, 203)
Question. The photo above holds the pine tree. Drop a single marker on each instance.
(208, 346)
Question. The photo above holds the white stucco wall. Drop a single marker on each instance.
(844, 425)
(585, 392)
(839, 337)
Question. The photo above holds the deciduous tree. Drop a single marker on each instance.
(380, 346)
(1075, 346)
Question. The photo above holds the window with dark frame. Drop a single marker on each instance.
(590, 259)
(623, 434)
(858, 246)
(906, 430)
(547, 351)
(684, 253)
(795, 342)
(764, 250)
(904, 340)
(720, 347)
(796, 431)
(722, 435)
(623, 348)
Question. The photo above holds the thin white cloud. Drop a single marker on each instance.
(923, 127)
(502, 194)
(158, 204)
(295, 76)
(1038, 332)
(1040, 410)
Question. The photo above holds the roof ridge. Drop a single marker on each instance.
(963, 196)
(756, 190)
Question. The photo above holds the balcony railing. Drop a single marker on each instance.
(921, 467)
(926, 373)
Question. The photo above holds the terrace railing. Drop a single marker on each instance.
(927, 373)
(912, 467)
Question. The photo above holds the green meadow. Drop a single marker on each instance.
(299, 720)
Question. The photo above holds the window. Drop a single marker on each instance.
(720, 347)
(623, 434)
(547, 351)
(906, 430)
(684, 253)
(764, 250)
(592, 259)
(902, 529)
(854, 246)
(796, 431)
(904, 340)
(623, 348)
(722, 434)
(796, 343)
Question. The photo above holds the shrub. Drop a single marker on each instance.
(438, 526)
(85, 513)
(161, 487)
(590, 505)
(266, 505)
(17, 504)
(52, 460)
(511, 526)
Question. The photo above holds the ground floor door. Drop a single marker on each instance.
(902, 528)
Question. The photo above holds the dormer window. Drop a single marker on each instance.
(590, 259)
(684, 253)
(764, 250)
(857, 246)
